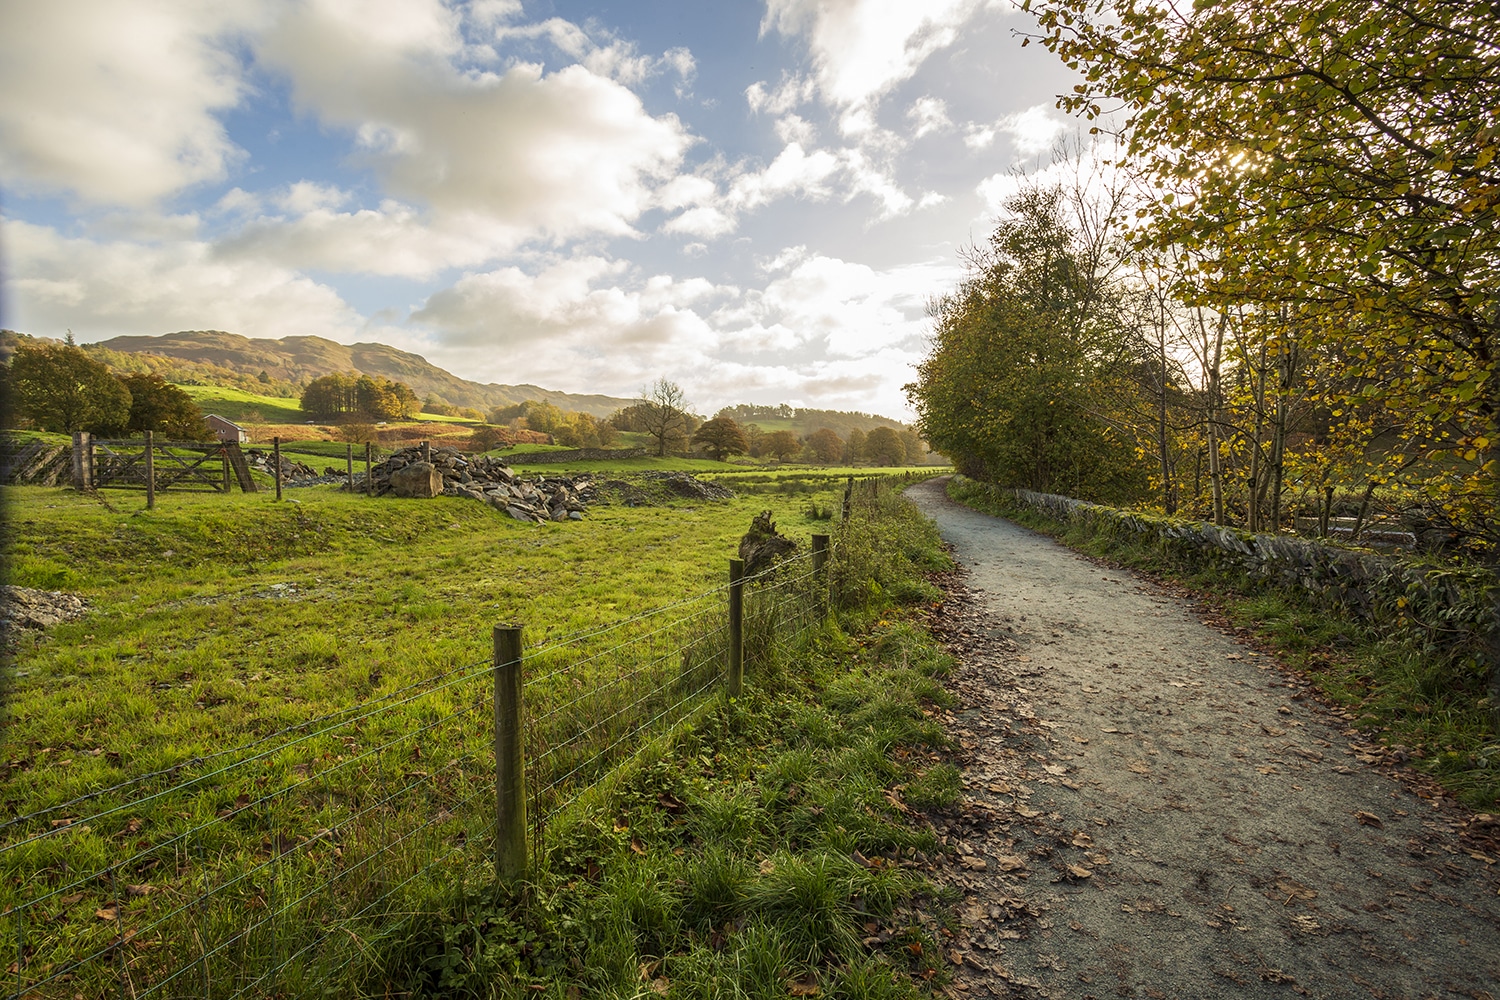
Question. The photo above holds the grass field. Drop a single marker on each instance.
(241, 406)
(216, 620)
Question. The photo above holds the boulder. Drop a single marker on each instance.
(419, 479)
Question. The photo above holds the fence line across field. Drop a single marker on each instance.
(326, 821)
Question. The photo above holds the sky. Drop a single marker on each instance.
(756, 200)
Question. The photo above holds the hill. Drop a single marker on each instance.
(300, 359)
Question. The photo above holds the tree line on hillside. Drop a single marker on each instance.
(61, 388)
(348, 397)
(1284, 294)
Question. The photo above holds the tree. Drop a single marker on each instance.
(60, 388)
(157, 405)
(781, 445)
(662, 413)
(340, 396)
(1332, 165)
(825, 446)
(1028, 360)
(721, 436)
(883, 445)
(854, 448)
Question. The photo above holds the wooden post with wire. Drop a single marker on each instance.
(735, 676)
(276, 463)
(150, 471)
(369, 483)
(848, 497)
(820, 568)
(510, 765)
(349, 465)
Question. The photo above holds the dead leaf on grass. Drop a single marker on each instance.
(107, 913)
(804, 986)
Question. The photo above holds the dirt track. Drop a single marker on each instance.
(1159, 810)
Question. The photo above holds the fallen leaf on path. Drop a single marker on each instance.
(974, 864)
(1139, 767)
(1056, 769)
(1009, 862)
(1080, 871)
(1290, 889)
(1369, 819)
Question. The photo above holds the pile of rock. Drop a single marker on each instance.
(690, 487)
(25, 609)
(265, 461)
(445, 472)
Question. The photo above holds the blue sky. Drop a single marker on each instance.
(755, 200)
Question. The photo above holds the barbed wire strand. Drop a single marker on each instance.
(615, 681)
(205, 758)
(218, 820)
(659, 716)
(199, 899)
(613, 715)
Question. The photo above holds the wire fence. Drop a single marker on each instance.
(271, 867)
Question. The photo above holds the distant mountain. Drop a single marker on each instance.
(301, 359)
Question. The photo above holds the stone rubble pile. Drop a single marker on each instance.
(450, 473)
(264, 461)
(690, 487)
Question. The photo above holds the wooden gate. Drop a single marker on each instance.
(193, 466)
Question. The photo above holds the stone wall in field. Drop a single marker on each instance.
(1455, 609)
(579, 455)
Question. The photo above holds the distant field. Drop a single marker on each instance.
(247, 407)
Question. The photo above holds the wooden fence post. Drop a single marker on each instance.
(820, 568)
(150, 471)
(735, 678)
(510, 766)
(349, 466)
(848, 496)
(427, 451)
(83, 461)
(276, 461)
(369, 483)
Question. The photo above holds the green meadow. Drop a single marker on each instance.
(219, 624)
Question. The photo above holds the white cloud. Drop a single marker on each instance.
(795, 129)
(793, 91)
(1033, 130)
(393, 239)
(100, 289)
(861, 49)
(557, 155)
(819, 175)
(979, 136)
(927, 115)
(114, 103)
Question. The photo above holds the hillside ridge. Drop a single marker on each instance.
(299, 358)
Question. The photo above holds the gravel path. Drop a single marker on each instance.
(1157, 809)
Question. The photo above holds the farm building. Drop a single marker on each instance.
(227, 430)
